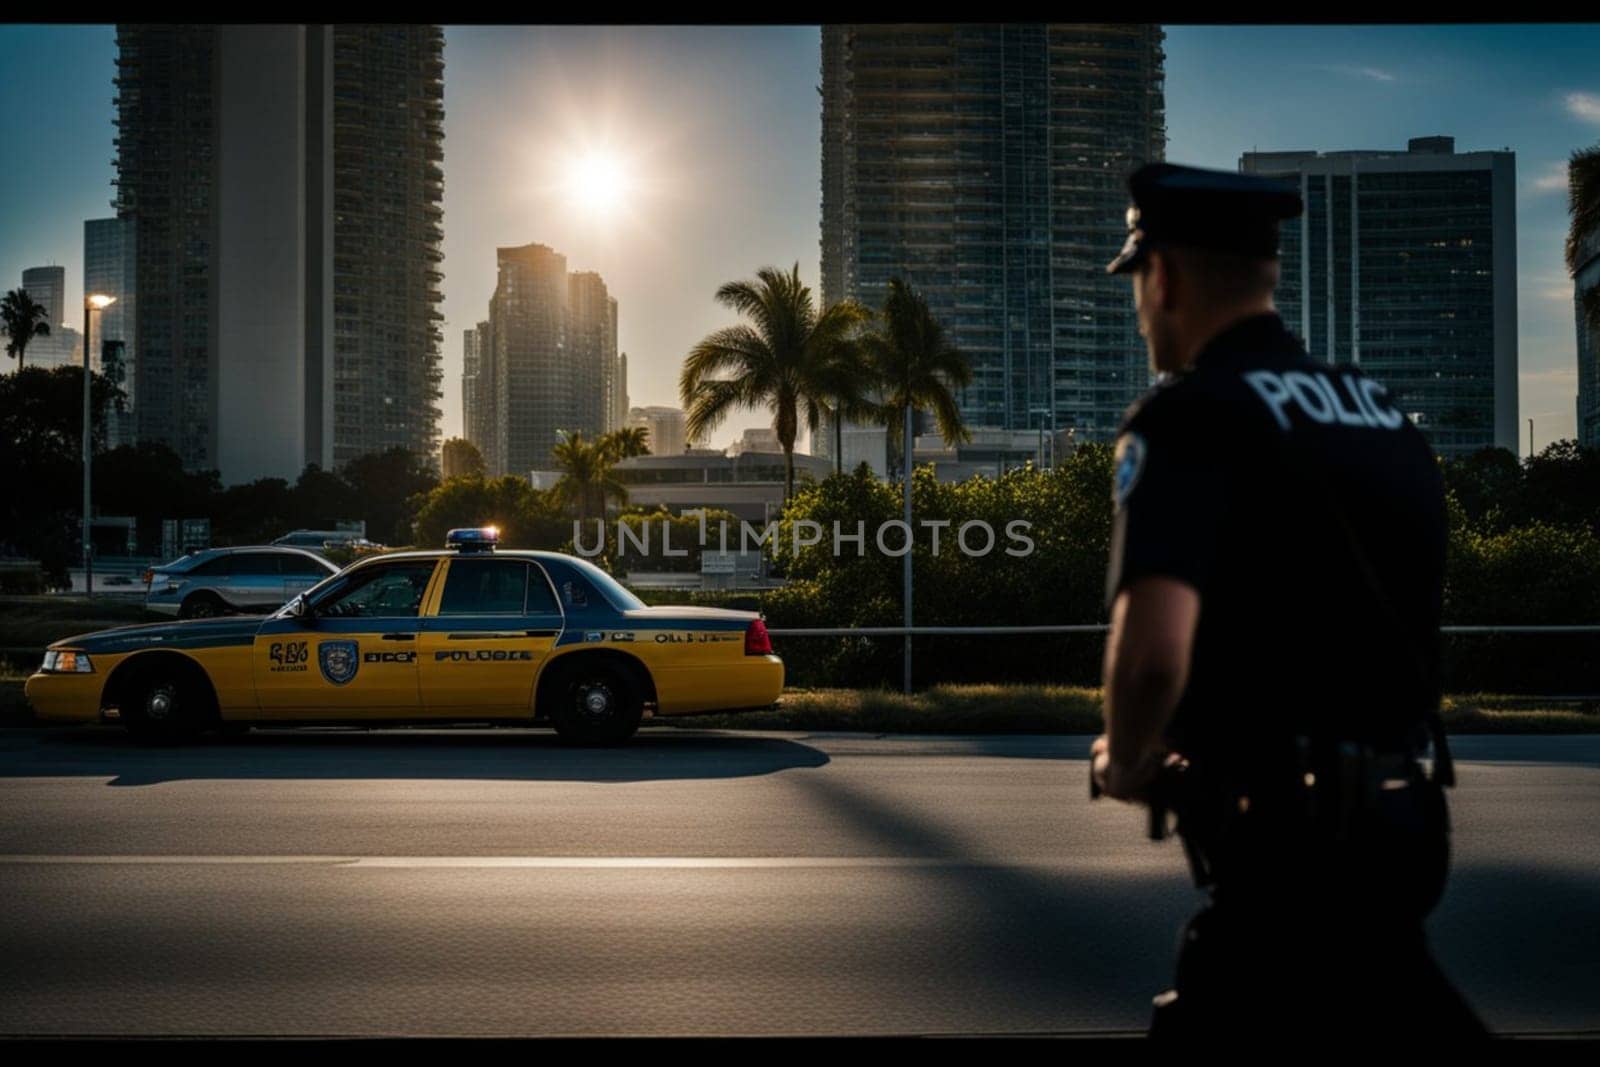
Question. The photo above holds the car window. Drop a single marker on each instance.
(298, 566)
(255, 563)
(541, 598)
(220, 567)
(390, 590)
(609, 588)
(484, 587)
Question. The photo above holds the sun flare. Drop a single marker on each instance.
(598, 183)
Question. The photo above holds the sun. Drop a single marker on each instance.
(598, 183)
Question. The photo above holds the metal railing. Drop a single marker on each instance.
(905, 632)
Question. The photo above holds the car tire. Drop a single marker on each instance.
(202, 606)
(595, 704)
(167, 706)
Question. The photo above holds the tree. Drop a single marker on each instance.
(785, 362)
(526, 517)
(41, 424)
(459, 457)
(24, 319)
(586, 479)
(916, 368)
(384, 485)
(627, 442)
(848, 380)
(916, 365)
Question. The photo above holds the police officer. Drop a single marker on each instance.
(1272, 666)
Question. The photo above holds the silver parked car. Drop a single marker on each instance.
(218, 581)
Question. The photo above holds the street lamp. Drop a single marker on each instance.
(91, 302)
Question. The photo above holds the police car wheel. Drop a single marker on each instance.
(596, 705)
(166, 707)
(201, 606)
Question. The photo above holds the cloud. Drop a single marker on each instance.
(1371, 73)
(1554, 179)
(1584, 106)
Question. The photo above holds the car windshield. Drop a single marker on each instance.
(614, 591)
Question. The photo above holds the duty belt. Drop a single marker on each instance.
(1329, 787)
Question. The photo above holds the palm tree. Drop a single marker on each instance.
(586, 474)
(848, 381)
(1583, 240)
(916, 366)
(627, 442)
(786, 361)
(24, 320)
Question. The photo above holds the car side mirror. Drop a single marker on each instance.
(299, 609)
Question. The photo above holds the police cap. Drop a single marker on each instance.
(1215, 209)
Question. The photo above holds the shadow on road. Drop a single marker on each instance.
(1093, 944)
(520, 755)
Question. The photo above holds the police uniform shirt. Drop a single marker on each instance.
(1275, 485)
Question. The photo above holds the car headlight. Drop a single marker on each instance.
(66, 661)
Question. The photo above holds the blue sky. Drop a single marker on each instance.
(717, 133)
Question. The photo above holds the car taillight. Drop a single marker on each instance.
(757, 642)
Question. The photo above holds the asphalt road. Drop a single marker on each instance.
(703, 883)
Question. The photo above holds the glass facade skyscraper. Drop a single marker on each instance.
(108, 267)
(1585, 263)
(1405, 263)
(986, 166)
(542, 360)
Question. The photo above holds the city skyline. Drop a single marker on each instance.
(718, 133)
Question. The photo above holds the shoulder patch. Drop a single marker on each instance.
(1129, 464)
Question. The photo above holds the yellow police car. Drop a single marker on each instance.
(468, 634)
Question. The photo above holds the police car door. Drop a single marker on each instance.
(353, 654)
(484, 636)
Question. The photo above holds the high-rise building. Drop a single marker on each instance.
(591, 350)
(986, 166)
(388, 152)
(166, 181)
(47, 287)
(283, 182)
(545, 361)
(108, 268)
(1584, 260)
(477, 391)
(1405, 262)
(619, 394)
(534, 395)
(664, 427)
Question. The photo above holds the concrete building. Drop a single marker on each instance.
(749, 485)
(109, 268)
(991, 453)
(1405, 263)
(757, 439)
(283, 184)
(665, 427)
(985, 165)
